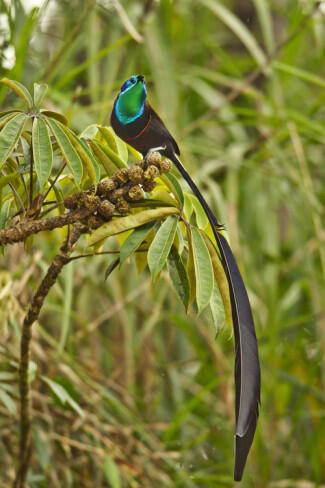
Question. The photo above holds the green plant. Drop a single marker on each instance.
(168, 227)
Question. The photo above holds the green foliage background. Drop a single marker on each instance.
(155, 387)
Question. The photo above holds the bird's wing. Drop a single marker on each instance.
(156, 124)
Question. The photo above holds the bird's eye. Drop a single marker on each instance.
(133, 80)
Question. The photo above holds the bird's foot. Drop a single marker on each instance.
(152, 150)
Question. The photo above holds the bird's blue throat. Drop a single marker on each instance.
(130, 103)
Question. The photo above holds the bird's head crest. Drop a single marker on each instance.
(130, 101)
(132, 82)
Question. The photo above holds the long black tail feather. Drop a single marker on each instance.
(247, 366)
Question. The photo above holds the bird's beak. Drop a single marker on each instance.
(140, 78)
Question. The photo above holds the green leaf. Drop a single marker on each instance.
(20, 90)
(111, 473)
(111, 267)
(68, 151)
(89, 132)
(4, 180)
(9, 136)
(201, 218)
(133, 241)
(109, 137)
(220, 277)
(61, 393)
(215, 306)
(39, 94)
(6, 116)
(188, 207)
(109, 166)
(42, 151)
(239, 29)
(8, 402)
(55, 115)
(114, 157)
(178, 275)
(122, 224)
(161, 245)
(190, 268)
(175, 187)
(203, 270)
(87, 158)
(43, 448)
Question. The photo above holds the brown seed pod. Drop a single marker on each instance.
(116, 194)
(122, 175)
(151, 172)
(166, 166)
(135, 174)
(149, 185)
(122, 207)
(92, 202)
(136, 193)
(105, 186)
(72, 201)
(94, 221)
(142, 163)
(154, 158)
(106, 209)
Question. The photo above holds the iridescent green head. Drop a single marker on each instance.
(130, 101)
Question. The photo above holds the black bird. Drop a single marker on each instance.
(135, 121)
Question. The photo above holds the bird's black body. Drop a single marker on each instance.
(145, 133)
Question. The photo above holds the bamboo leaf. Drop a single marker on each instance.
(161, 245)
(134, 240)
(39, 94)
(8, 402)
(10, 135)
(111, 473)
(63, 395)
(42, 151)
(20, 90)
(68, 151)
(122, 224)
(237, 26)
(178, 275)
(203, 270)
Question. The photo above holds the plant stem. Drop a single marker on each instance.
(25, 446)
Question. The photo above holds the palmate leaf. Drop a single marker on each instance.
(68, 151)
(173, 184)
(178, 276)
(88, 160)
(122, 224)
(39, 94)
(101, 156)
(20, 90)
(203, 270)
(134, 240)
(10, 135)
(161, 245)
(42, 151)
(220, 277)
